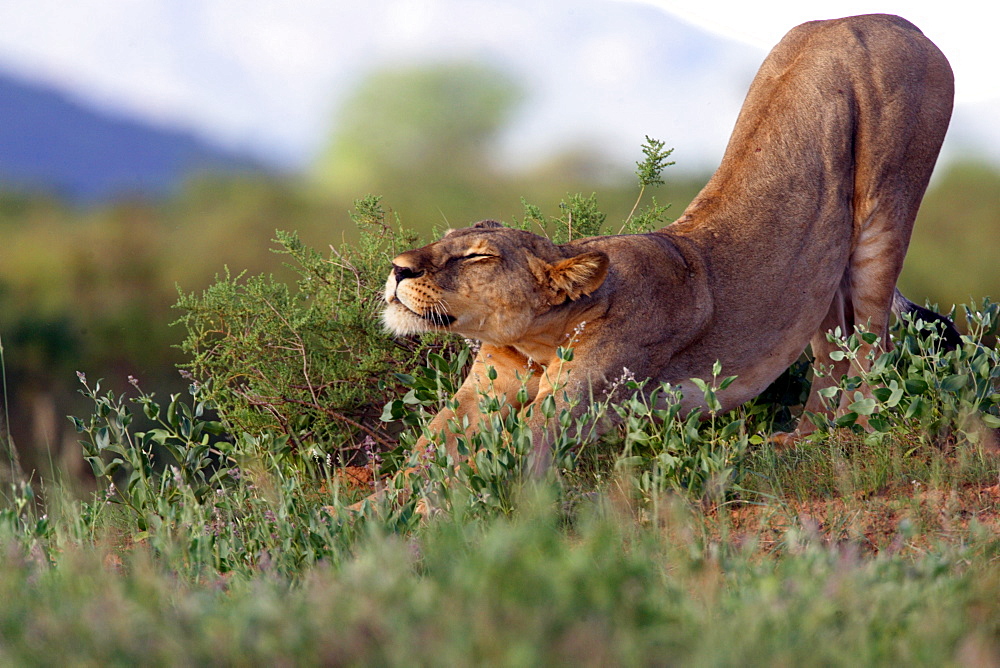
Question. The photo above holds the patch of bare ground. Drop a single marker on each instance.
(897, 517)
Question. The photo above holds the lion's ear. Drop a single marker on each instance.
(571, 278)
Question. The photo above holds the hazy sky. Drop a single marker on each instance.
(268, 76)
(965, 30)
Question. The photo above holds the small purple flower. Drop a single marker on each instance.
(368, 446)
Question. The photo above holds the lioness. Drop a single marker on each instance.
(802, 229)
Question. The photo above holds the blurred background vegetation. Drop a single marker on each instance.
(91, 287)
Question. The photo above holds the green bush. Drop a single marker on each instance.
(312, 361)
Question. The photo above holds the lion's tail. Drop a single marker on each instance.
(949, 333)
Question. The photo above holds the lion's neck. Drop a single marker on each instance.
(562, 328)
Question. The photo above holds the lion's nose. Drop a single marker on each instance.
(405, 272)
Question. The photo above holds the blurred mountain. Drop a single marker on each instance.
(53, 144)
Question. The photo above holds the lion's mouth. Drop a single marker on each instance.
(433, 316)
(439, 319)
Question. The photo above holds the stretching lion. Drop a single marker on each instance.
(803, 228)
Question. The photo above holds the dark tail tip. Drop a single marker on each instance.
(946, 328)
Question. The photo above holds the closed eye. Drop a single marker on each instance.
(478, 257)
(471, 258)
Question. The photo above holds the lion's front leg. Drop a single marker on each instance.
(560, 396)
(512, 371)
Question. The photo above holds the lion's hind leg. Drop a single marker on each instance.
(827, 372)
(863, 303)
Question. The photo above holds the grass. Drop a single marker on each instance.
(675, 542)
(606, 586)
(678, 539)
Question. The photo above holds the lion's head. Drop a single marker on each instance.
(487, 282)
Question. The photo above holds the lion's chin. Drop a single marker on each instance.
(401, 321)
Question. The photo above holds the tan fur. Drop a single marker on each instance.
(803, 228)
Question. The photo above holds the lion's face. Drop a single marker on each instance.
(486, 282)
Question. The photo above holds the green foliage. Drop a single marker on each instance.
(309, 361)
(529, 589)
(666, 451)
(651, 169)
(649, 218)
(650, 172)
(661, 450)
(580, 216)
(182, 431)
(215, 503)
(921, 387)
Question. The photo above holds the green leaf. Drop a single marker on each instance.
(214, 427)
(846, 420)
(633, 461)
(151, 409)
(185, 426)
(97, 464)
(955, 382)
(890, 396)
(916, 408)
(726, 382)
(549, 406)
(393, 411)
(864, 406)
(879, 423)
(991, 421)
(404, 378)
(731, 428)
(172, 410)
(712, 401)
